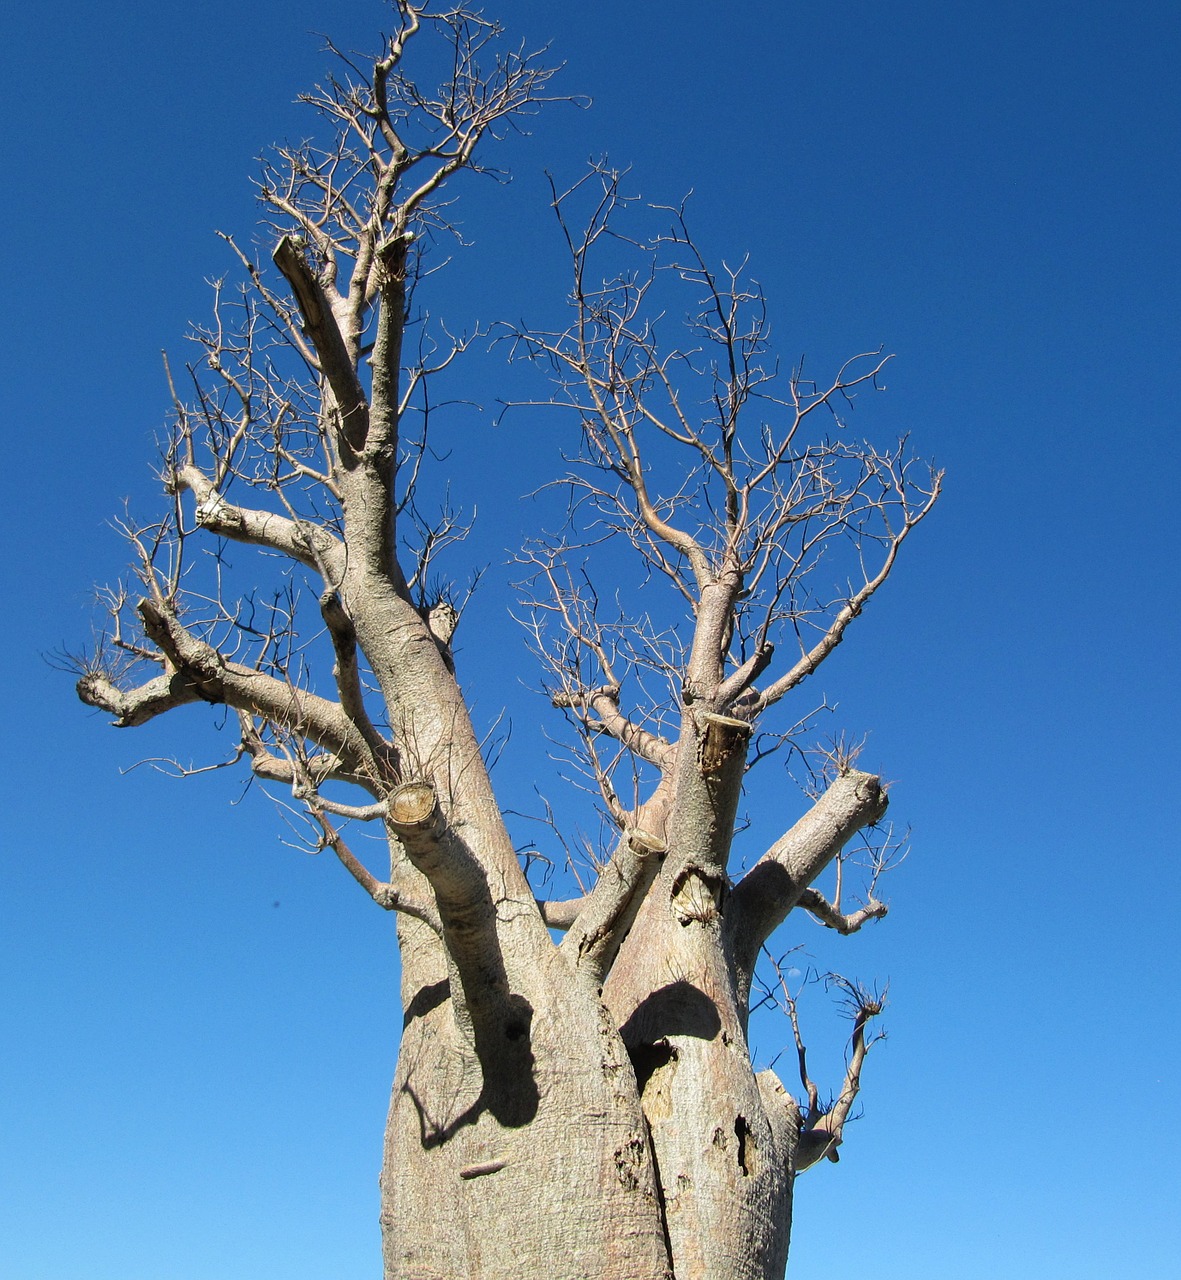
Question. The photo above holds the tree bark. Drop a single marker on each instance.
(583, 1109)
(530, 1158)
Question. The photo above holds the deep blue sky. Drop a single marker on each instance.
(193, 1078)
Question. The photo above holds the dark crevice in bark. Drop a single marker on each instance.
(654, 1065)
(748, 1149)
(648, 1059)
(661, 1204)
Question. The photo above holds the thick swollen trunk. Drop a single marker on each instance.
(525, 1159)
(721, 1139)
(616, 1133)
(516, 1143)
(558, 1159)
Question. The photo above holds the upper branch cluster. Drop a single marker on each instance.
(738, 484)
(291, 577)
(301, 386)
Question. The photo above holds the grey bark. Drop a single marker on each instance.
(565, 1109)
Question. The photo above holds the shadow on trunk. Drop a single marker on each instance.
(679, 1009)
(509, 1094)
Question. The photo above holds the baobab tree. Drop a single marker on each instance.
(575, 1094)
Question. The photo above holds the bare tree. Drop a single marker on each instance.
(586, 1106)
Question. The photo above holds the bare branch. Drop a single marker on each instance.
(310, 771)
(608, 910)
(853, 606)
(335, 361)
(561, 915)
(132, 707)
(823, 1130)
(250, 690)
(604, 703)
(310, 546)
(738, 514)
(735, 685)
(385, 895)
(466, 907)
(817, 905)
(381, 754)
(773, 886)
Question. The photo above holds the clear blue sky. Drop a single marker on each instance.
(199, 1024)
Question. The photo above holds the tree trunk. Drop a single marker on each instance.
(530, 1158)
(579, 1150)
(562, 1110)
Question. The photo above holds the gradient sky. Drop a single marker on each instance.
(199, 1023)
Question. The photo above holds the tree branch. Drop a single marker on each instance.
(604, 703)
(387, 350)
(335, 362)
(816, 904)
(417, 820)
(311, 771)
(561, 915)
(850, 610)
(132, 707)
(348, 682)
(310, 545)
(609, 909)
(823, 1132)
(385, 895)
(736, 684)
(247, 689)
(775, 884)
(466, 908)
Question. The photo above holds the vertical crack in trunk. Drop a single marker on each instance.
(655, 1065)
(748, 1148)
